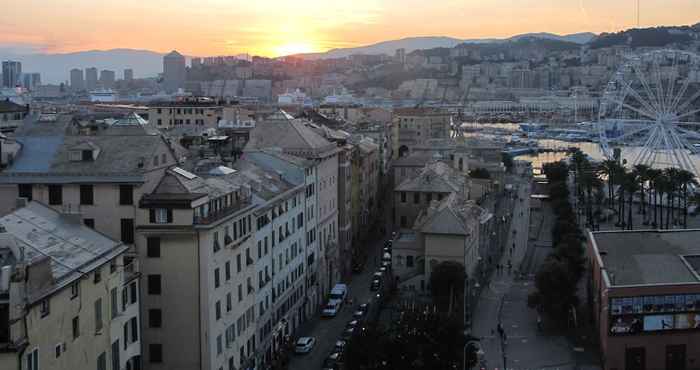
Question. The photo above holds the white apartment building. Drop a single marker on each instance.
(292, 136)
(281, 244)
(68, 295)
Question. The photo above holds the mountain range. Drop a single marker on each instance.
(418, 43)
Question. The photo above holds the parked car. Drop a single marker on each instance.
(340, 345)
(375, 285)
(333, 361)
(331, 309)
(352, 324)
(305, 345)
(348, 333)
(339, 292)
(382, 269)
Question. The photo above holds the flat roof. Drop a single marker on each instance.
(649, 257)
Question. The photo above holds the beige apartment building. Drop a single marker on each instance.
(77, 166)
(68, 295)
(194, 115)
(414, 126)
(196, 241)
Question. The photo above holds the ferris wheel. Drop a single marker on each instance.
(650, 110)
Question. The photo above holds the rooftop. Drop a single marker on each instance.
(6, 106)
(454, 215)
(649, 257)
(437, 177)
(73, 249)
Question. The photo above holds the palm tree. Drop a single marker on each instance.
(609, 167)
(643, 173)
(590, 180)
(655, 179)
(685, 178)
(631, 186)
(620, 176)
(673, 182)
(578, 160)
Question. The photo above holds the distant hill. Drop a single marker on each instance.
(644, 37)
(54, 68)
(431, 42)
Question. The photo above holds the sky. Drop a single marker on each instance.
(273, 28)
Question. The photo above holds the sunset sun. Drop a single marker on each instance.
(294, 48)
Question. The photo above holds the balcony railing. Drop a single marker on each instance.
(131, 271)
(214, 216)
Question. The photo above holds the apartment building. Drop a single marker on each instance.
(191, 115)
(196, 241)
(414, 126)
(435, 181)
(11, 115)
(78, 166)
(280, 261)
(365, 187)
(68, 295)
(296, 138)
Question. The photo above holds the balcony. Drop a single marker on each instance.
(131, 271)
(217, 215)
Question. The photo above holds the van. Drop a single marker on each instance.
(339, 292)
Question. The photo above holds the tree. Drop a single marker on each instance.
(447, 284)
(507, 161)
(610, 168)
(556, 288)
(686, 179)
(556, 171)
(643, 173)
(569, 249)
(631, 186)
(480, 173)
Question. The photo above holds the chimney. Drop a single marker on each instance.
(21, 202)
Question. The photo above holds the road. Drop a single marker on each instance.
(328, 330)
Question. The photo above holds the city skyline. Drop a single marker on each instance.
(273, 28)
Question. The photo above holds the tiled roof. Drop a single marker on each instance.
(453, 215)
(436, 177)
(282, 131)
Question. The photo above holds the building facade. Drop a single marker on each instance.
(69, 298)
(173, 71)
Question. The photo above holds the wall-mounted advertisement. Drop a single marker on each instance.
(634, 315)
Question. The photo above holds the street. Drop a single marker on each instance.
(328, 330)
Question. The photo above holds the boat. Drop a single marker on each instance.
(532, 127)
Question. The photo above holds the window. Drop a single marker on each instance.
(153, 247)
(115, 355)
(102, 361)
(74, 289)
(89, 222)
(238, 262)
(55, 195)
(160, 216)
(98, 315)
(33, 359)
(134, 330)
(127, 230)
(155, 351)
(409, 261)
(126, 195)
(217, 280)
(25, 191)
(154, 287)
(240, 292)
(219, 346)
(155, 318)
(113, 302)
(229, 302)
(76, 327)
(217, 310)
(87, 155)
(97, 277)
(45, 307)
(416, 198)
(227, 270)
(134, 293)
(86, 195)
(216, 245)
(403, 197)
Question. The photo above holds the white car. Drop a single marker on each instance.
(305, 345)
(331, 309)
